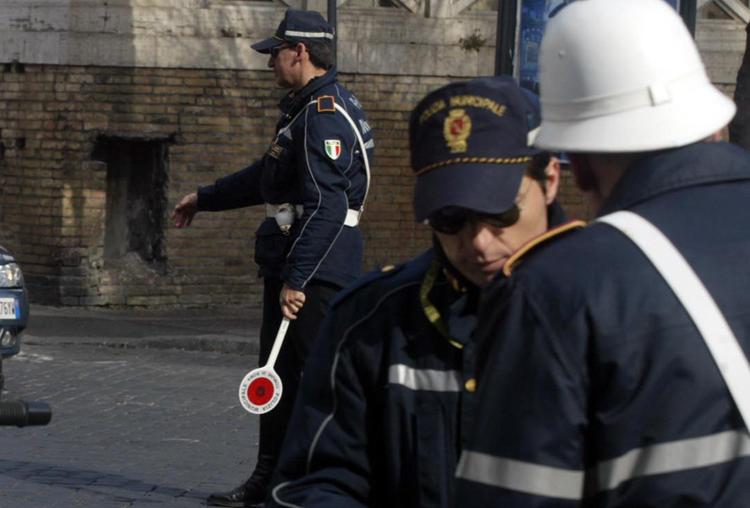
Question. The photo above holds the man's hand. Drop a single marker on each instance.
(183, 213)
(291, 301)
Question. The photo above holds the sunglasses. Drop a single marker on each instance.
(278, 49)
(452, 219)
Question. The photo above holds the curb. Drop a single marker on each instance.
(206, 343)
(231, 331)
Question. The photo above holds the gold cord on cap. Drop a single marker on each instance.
(474, 160)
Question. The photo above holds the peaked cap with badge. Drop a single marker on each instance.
(297, 26)
(469, 146)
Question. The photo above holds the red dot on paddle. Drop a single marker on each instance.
(260, 391)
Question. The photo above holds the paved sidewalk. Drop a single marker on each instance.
(234, 330)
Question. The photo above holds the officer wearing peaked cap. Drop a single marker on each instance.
(618, 375)
(388, 394)
(313, 180)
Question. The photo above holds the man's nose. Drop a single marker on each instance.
(481, 235)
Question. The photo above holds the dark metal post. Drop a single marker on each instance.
(505, 44)
(332, 22)
(688, 11)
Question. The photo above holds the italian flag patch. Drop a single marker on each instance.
(333, 148)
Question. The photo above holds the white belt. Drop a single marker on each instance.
(278, 211)
(352, 218)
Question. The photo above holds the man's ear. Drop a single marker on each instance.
(301, 50)
(551, 179)
(715, 137)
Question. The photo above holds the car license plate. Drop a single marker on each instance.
(8, 308)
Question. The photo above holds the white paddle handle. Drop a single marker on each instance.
(277, 342)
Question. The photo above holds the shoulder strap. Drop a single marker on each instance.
(361, 142)
(698, 302)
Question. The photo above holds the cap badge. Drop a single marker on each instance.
(333, 148)
(456, 130)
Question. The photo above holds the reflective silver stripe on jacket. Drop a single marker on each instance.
(540, 480)
(520, 476)
(673, 457)
(425, 379)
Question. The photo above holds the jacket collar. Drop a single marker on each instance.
(660, 172)
(294, 101)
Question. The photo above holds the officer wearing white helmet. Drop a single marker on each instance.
(617, 372)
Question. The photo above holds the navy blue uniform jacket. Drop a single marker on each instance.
(387, 395)
(598, 390)
(297, 168)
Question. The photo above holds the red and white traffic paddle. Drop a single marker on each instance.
(261, 388)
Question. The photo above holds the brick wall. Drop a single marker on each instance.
(96, 75)
(54, 195)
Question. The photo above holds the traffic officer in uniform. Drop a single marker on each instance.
(389, 391)
(313, 180)
(606, 384)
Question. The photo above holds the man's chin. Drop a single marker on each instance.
(491, 269)
(481, 278)
(281, 83)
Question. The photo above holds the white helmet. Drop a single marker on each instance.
(624, 76)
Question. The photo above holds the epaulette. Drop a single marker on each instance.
(326, 104)
(365, 280)
(518, 256)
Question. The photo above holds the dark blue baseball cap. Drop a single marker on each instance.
(469, 146)
(297, 26)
